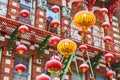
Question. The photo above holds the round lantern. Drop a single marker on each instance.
(80, 31)
(54, 40)
(20, 68)
(53, 66)
(55, 23)
(55, 78)
(55, 57)
(21, 49)
(84, 20)
(109, 57)
(24, 13)
(104, 11)
(66, 47)
(105, 25)
(107, 39)
(84, 67)
(82, 48)
(23, 29)
(42, 77)
(55, 9)
(110, 74)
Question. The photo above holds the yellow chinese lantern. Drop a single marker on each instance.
(84, 20)
(66, 47)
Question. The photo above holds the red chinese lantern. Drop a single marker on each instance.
(24, 13)
(54, 40)
(84, 67)
(107, 39)
(55, 78)
(20, 68)
(55, 23)
(109, 57)
(55, 57)
(105, 25)
(23, 29)
(21, 49)
(80, 31)
(42, 77)
(110, 74)
(82, 48)
(104, 11)
(53, 66)
(55, 9)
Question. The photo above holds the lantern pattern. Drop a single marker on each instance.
(110, 74)
(104, 11)
(55, 9)
(21, 49)
(20, 68)
(107, 39)
(55, 23)
(53, 66)
(105, 25)
(84, 20)
(54, 40)
(43, 77)
(55, 57)
(84, 67)
(82, 48)
(24, 13)
(23, 29)
(55, 78)
(66, 47)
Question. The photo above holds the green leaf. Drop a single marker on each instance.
(12, 40)
(42, 47)
(95, 60)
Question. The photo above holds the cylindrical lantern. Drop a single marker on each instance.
(24, 13)
(21, 49)
(107, 39)
(84, 20)
(82, 48)
(105, 25)
(23, 29)
(110, 74)
(42, 77)
(66, 47)
(55, 57)
(53, 66)
(55, 9)
(84, 67)
(20, 68)
(55, 23)
(54, 40)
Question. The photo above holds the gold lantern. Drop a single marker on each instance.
(84, 20)
(66, 47)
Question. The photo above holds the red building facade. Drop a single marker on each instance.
(39, 28)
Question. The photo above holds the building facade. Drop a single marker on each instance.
(39, 28)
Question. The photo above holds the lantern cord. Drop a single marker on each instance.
(92, 73)
(76, 65)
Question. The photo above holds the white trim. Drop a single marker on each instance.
(30, 68)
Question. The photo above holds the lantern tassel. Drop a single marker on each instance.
(20, 72)
(109, 64)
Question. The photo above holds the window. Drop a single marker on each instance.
(25, 75)
(100, 76)
(49, 13)
(42, 3)
(26, 3)
(3, 7)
